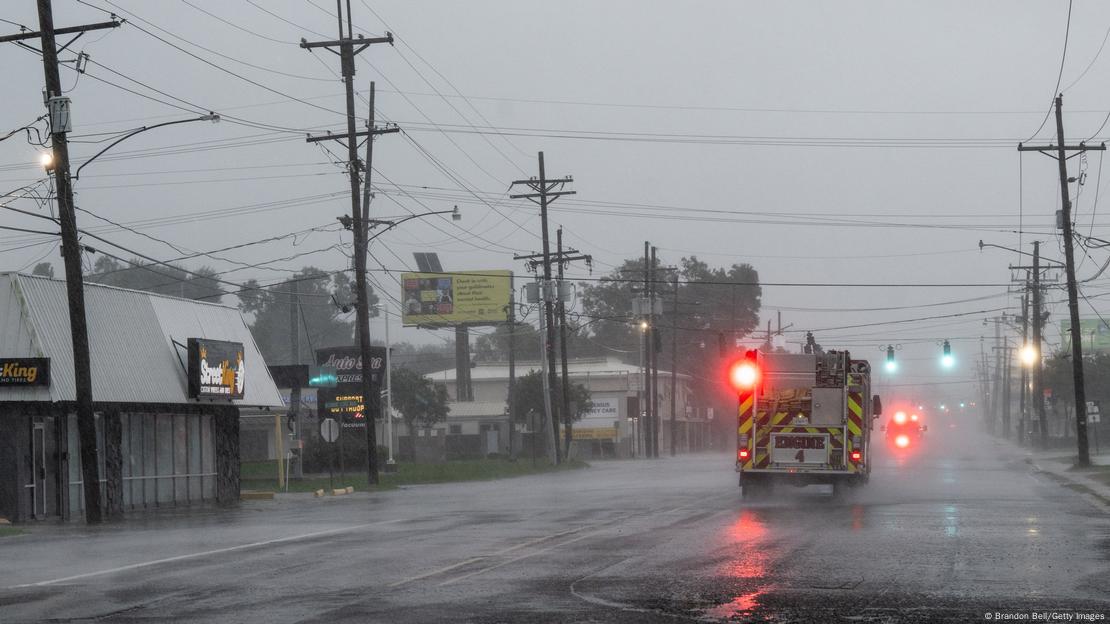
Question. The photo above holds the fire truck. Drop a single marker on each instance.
(803, 419)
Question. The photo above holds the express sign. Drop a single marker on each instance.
(24, 371)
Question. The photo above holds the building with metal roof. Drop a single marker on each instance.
(162, 440)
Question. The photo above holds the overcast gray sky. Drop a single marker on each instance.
(861, 142)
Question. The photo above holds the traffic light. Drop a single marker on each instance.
(891, 365)
(744, 374)
(946, 358)
(323, 377)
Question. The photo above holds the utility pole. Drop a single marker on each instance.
(1038, 365)
(544, 191)
(652, 329)
(996, 398)
(294, 392)
(1023, 403)
(648, 435)
(561, 258)
(1084, 457)
(347, 52)
(58, 106)
(511, 408)
(674, 368)
(1035, 318)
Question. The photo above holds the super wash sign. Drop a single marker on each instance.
(24, 371)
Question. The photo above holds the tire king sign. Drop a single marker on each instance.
(216, 369)
(344, 401)
(24, 371)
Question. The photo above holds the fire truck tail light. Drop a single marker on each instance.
(742, 454)
(856, 456)
(902, 441)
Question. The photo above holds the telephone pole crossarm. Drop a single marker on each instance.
(80, 30)
(362, 42)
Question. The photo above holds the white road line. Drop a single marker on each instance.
(521, 557)
(483, 557)
(218, 551)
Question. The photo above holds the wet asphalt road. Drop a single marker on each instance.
(948, 533)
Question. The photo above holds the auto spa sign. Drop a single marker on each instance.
(216, 369)
(24, 372)
(344, 401)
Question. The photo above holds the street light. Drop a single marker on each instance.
(1029, 355)
(392, 223)
(213, 117)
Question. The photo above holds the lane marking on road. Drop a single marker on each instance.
(520, 558)
(467, 562)
(207, 553)
(601, 528)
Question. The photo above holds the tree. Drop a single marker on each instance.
(45, 269)
(424, 359)
(319, 323)
(199, 284)
(494, 347)
(528, 397)
(421, 402)
(715, 303)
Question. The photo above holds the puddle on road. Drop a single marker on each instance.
(740, 606)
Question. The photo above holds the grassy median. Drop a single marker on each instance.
(261, 475)
(9, 531)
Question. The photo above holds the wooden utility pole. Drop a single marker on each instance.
(349, 47)
(654, 359)
(543, 192)
(510, 408)
(58, 106)
(1084, 457)
(674, 368)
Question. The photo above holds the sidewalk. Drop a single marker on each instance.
(1059, 465)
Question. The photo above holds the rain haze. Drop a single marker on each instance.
(835, 196)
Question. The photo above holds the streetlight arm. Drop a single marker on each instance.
(392, 224)
(1024, 253)
(213, 117)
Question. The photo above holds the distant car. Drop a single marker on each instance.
(904, 430)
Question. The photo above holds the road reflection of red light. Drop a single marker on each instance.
(857, 517)
(740, 605)
(746, 536)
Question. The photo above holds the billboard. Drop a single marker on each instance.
(458, 298)
(1095, 333)
(343, 401)
(216, 369)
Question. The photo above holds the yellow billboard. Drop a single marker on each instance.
(456, 298)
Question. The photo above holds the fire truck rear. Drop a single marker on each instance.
(803, 419)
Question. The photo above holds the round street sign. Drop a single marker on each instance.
(329, 430)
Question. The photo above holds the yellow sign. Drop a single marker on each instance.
(600, 433)
(462, 297)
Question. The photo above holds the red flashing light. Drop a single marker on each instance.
(744, 374)
(742, 454)
(856, 456)
(902, 441)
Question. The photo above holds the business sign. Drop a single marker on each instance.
(594, 433)
(343, 401)
(24, 371)
(216, 369)
(603, 409)
(1094, 332)
(448, 299)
